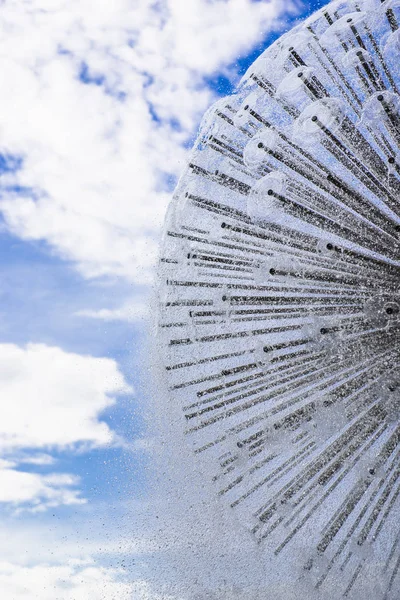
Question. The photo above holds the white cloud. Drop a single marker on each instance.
(36, 459)
(95, 161)
(51, 399)
(36, 492)
(64, 582)
(130, 311)
(55, 398)
(57, 559)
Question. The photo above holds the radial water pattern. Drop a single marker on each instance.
(279, 300)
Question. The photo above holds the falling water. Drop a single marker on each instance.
(279, 301)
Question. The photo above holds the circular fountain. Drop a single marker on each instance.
(279, 304)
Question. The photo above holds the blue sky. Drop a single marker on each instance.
(101, 108)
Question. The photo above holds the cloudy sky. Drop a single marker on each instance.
(100, 103)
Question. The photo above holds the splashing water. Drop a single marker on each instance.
(279, 301)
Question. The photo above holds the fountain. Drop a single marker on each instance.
(278, 325)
